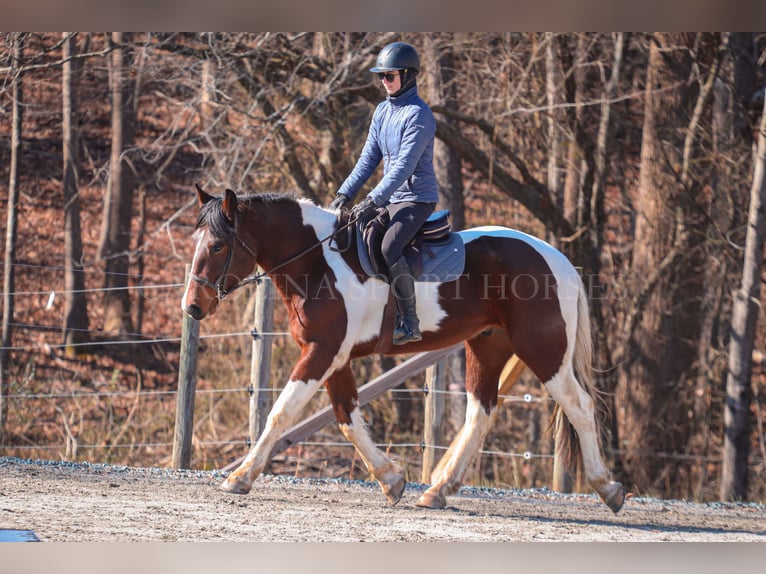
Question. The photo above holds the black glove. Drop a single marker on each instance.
(340, 201)
(364, 210)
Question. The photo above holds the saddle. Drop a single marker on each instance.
(435, 254)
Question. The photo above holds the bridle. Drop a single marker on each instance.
(218, 285)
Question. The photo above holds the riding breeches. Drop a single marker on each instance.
(406, 218)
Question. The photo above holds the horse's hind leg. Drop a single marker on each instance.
(486, 355)
(578, 406)
(342, 390)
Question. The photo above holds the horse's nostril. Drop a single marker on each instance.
(194, 312)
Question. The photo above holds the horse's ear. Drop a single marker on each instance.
(229, 204)
(202, 196)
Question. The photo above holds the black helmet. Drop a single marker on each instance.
(397, 56)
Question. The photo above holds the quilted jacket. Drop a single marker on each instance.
(401, 134)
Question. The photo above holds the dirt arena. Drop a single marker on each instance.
(80, 502)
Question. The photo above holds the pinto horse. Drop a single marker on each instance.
(517, 295)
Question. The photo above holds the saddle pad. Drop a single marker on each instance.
(443, 260)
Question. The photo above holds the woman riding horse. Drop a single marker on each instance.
(517, 295)
(401, 134)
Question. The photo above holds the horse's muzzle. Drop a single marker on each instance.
(194, 312)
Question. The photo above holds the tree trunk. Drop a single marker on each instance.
(552, 96)
(440, 74)
(597, 242)
(726, 214)
(736, 447)
(575, 163)
(75, 305)
(661, 320)
(10, 232)
(142, 192)
(118, 204)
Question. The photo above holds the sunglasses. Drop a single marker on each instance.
(387, 76)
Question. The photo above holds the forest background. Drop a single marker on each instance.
(635, 154)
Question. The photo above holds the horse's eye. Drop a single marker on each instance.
(216, 247)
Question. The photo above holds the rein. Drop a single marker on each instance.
(222, 292)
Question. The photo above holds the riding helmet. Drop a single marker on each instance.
(399, 56)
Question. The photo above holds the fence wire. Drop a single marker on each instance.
(140, 339)
(420, 446)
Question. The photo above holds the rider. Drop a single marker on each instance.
(402, 135)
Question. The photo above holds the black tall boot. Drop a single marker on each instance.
(403, 286)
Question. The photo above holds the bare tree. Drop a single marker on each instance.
(118, 201)
(11, 230)
(662, 317)
(736, 449)
(440, 76)
(75, 306)
(553, 98)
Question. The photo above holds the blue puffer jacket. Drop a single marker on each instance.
(402, 135)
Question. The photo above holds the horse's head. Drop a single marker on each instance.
(221, 258)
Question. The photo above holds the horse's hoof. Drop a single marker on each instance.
(614, 496)
(433, 499)
(395, 491)
(236, 485)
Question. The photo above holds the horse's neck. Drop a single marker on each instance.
(288, 238)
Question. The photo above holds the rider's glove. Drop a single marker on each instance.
(364, 210)
(340, 201)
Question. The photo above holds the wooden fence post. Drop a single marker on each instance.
(187, 385)
(434, 412)
(260, 365)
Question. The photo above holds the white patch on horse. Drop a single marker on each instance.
(579, 409)
(430, 312)
(199, 240)
(366, 300)
(286, 409)
(563, 386)
(468, 442)
(357, 434)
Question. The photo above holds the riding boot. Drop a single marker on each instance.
(403, 286)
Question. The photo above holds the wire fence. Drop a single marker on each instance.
(246, 442)
(527, 398)
(139, 339)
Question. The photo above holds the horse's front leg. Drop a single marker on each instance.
(342, 390)
(307, 376)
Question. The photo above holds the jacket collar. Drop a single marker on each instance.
(405, 97)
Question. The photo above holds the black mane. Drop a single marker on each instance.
(220, 226)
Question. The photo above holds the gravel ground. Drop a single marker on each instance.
(63, 501)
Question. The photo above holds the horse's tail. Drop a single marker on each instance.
(567, 442)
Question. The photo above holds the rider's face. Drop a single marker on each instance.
(392, 81)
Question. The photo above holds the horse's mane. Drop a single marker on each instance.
(212, 214)
(268, 197)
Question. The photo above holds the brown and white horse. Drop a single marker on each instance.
(517, 295)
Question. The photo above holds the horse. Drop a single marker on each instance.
(516, 295)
